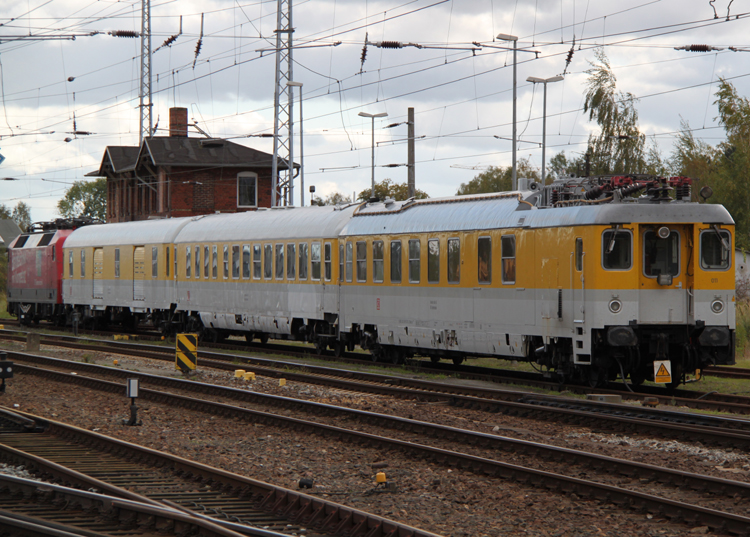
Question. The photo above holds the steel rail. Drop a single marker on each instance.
(611, 494)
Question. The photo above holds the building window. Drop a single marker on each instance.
(215, 262)
(154, 262)
(433, 261)
(256, 262)
(327, 261)
(245, 261)
(484, 260)
(117, 262)
(508, 254)
(188, 261)
(315, 260)
(268, 261)
(454, 261)
(247, 189)
(235, 261)
(303, 261)
(205, 262)
(291, 261)
(395, 261)
(377, 261)
(197, 261)
(414, 252)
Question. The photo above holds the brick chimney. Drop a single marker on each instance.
(178, 122)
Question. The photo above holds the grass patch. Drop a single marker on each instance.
(4, 308)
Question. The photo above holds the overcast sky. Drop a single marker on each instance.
(462, 97)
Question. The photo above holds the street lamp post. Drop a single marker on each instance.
(301, 150)
(545, 81)
(373, 116)
(514, 39)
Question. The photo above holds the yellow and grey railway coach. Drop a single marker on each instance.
(589, 278)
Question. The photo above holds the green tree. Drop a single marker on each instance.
(731, 178)
(619, 146)
(22, 215)
(388, 189)
(497, 179)
(337, 198)
(85, 198)
(5, 213)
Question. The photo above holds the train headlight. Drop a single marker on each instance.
(615, 306)
(717, 306)
(663, 232)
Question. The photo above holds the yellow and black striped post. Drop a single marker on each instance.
(186, 352)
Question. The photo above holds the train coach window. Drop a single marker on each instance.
(205, 262)
(188, 261)
(661, 256)
(256, 262)
(377, 261)
(315, 261)
(70, 263)
(349, 261)
(395, 261)
(215, 261)
(484, 260)
(433, 261)
(291, 261)
(454, 261)
(414, 260)
(83, 263)
(361, 261)
(175, 261)
(197, 260)
(154, 262)
(579, 254)
(508, 257)
(617, 246)
(267, 261)
(327, 261)
(235, 261)
(226, 261)
(341, 262)
(117, 262)
(279, 261)
(245, 261)
(715, 249)
(302, 260)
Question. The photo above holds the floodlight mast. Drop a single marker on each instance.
(545, 81)
(372, 117)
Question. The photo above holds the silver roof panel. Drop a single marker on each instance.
(127, 233)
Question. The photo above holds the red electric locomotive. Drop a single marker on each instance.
(35, 265)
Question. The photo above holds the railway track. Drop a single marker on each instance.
(225, 503)
(712, 498)
(388, 384)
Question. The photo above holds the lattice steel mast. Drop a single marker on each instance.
(145, 94)
(283, 127)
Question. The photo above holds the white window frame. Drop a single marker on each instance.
(247, 175)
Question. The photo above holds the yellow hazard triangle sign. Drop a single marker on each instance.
(663, 372)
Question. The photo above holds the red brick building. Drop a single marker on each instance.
(175, 175)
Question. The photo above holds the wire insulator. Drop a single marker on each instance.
(698, 48)
(391, 44)
(124, 33)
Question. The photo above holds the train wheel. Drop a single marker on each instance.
(338, 349)
(435, 359)
(397, 356)
(597, 377)
(249, 337)
(263, 338)
(458, 360)
(320, 347)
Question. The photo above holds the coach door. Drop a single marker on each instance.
(139, 273)
(98, 273)
(666, 273)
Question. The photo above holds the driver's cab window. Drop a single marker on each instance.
(661, 255)
(617, 249)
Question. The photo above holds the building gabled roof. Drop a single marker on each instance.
(184, 151)
(117, 159)
(9, 230)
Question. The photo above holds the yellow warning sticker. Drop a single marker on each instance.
(663, 372)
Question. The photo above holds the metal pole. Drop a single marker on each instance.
(372, 187)
(301, 155)
(514, 175)
(544, 129)
(410, 174)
